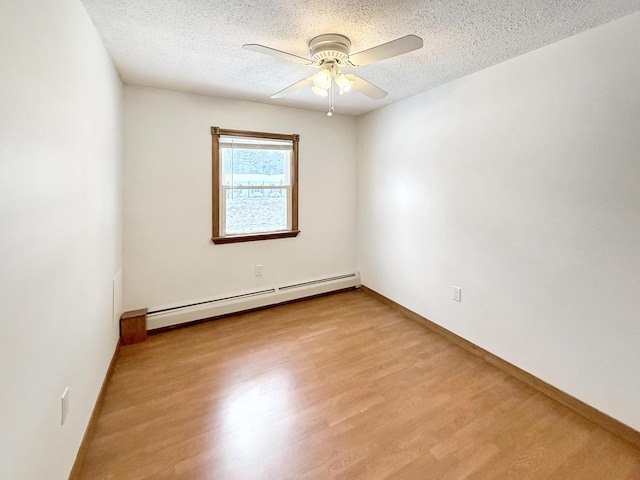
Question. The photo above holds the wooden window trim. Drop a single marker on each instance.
(216, 237)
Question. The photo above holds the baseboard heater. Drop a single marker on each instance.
(172, 315)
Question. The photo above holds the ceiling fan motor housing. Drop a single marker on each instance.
(330, 47)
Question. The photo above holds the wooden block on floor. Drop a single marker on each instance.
(133, 327)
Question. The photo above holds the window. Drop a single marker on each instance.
(255, 185)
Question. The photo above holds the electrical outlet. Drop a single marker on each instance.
(456, 293)
(259, 270)
(65, 405)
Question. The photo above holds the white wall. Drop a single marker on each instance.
(60, 230)
(520, 184)
(168, 254)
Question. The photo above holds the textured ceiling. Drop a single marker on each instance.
(195, 45)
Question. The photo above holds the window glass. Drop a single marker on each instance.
(255, 210)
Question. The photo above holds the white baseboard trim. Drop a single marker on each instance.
(172, 315)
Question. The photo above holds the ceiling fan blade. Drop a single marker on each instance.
(367, 88)
(254, 47)
(291, 88)
(390, 49)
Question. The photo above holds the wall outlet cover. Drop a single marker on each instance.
(456, 294)
(65, 405)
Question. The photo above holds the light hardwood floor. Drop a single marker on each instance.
(337, 387)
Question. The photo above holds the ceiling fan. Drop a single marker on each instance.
(330, 52)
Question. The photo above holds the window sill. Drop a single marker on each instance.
(254, 237)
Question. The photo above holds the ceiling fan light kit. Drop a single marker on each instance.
(345, 82)
(331, 51)
(323, 80)
(319, 91)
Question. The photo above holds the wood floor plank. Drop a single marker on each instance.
(336, 387)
